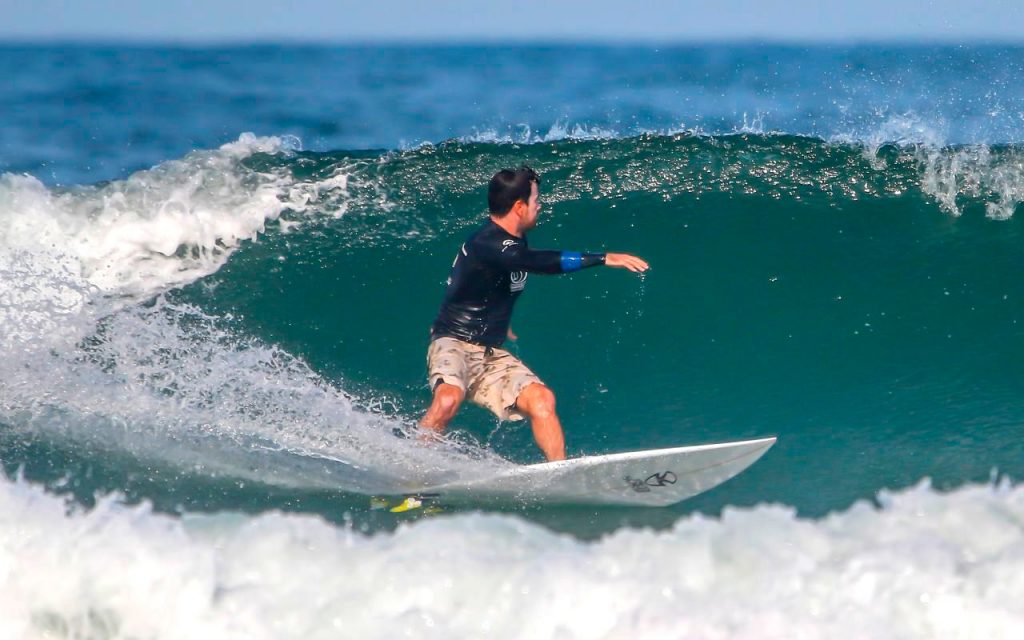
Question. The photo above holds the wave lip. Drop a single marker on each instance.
(155, 230)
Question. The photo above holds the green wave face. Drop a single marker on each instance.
(854, 301)
(861, 303)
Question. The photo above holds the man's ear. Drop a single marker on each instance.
(519, 207)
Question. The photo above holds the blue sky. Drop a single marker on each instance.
(471, 20)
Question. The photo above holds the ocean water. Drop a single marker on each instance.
(219, 267)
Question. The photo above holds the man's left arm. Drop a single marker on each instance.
(572, 261)
(626, 261)
(516, 257)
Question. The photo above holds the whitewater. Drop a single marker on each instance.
(914, 564)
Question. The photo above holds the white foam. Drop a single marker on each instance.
(155, 230)
(69, 257)
(906, 129)
(95, 355)
(952, 175)
(753, 124)
(559, 130)
(166, 382)
(926, 565)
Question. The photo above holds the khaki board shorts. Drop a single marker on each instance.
(491, 378)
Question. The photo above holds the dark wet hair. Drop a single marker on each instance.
(508, 186)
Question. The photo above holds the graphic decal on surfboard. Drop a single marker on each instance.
(654, 480)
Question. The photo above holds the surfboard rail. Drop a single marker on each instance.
(656, 477)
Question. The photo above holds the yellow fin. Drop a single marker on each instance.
(408, 504)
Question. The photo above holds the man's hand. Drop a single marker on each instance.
(626, 261)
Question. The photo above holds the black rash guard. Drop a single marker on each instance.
(487, 276)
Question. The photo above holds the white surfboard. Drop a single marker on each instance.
(654, 478)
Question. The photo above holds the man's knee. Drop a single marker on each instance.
(448, 397)
(537, 400)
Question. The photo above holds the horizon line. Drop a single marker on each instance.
(453, 42)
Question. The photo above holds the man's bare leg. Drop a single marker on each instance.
(447, 398)
(538, 403)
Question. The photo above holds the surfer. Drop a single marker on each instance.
(489, 273)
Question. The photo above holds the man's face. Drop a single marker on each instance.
(529, 218)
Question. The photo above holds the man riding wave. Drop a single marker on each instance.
(465, 357)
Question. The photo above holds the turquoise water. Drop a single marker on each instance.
(220, 327)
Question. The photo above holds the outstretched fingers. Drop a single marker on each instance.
(626, 261)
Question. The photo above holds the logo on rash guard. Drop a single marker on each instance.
(518, 281)
(456, 260)
(506, 244)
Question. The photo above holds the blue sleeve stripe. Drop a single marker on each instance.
(571, 261)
